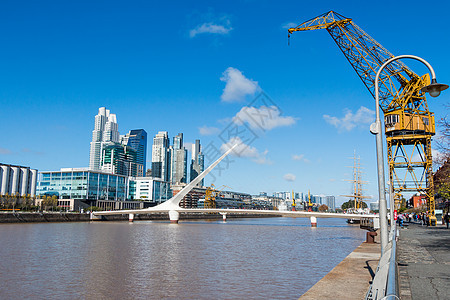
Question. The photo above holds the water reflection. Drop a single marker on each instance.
(270, 258)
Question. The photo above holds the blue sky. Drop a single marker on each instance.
(188, 67)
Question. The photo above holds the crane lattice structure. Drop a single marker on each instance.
(211, 194)
(409, 125)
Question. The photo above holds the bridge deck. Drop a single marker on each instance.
(351, 278)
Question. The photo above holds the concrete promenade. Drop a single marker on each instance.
(424, 262)
(351, 278)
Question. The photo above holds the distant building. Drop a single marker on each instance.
(149, 189)
(330, 201)
(283, 195)
(160, 156)
(374, 206)
(17, 180)
(88, 187)
(316, 199)
(178, 161)
(417, 201)
(121, 160)
(137, 140)
(197, 162)
(105, 131)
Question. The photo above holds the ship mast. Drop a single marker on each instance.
(357, 194)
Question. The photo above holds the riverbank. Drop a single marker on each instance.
(43, 217)
(351, 278)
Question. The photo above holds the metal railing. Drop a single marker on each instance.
(385, 283)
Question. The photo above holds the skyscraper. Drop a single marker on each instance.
(178, 161)
(105, 131)
(197, 162)
(121, 160)
(137, 140)
(160, 156)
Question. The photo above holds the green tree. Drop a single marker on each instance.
(442, 176)
(351, 204)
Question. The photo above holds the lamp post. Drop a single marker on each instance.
(434, 89)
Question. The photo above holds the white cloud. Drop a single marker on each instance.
(289, 177)
(211, 27)
(350, 120)
(5, 151)
(237, 86)
(243, 150)
(205, 130)
(300, 157)
(265, 118)
(289, 25)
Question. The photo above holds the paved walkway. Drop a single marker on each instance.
(424, 262)
(351, 278)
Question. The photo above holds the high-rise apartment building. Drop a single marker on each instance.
(330, 201)
(137, 140)
(197, 162)
(160, 156)
(178, 161)
(106, 130)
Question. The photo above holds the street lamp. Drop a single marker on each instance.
(434, 89)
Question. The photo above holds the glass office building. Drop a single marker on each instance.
(120, 159)
(137, 140)
(83, 184)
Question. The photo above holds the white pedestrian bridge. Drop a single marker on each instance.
(173, 208)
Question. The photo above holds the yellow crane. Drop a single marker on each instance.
(293, 201)
(211, 194)
(409, 125)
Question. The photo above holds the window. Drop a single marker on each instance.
(391, 120)
(426, 121)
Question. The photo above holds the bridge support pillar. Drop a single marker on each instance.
(224, 216)
(174, 216)
(313, 221)
(131, 217)
(94, 217)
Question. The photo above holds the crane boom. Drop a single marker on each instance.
(409, 125)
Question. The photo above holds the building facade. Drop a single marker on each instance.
(160, 156)
(120, 159)
(17, 180)
(106, 130)
(149, 189)
(178, 161)
(330, 201)
(137, 140)
(83, 184)
(197, 162)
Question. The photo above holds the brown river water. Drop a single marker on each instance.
(267, 258)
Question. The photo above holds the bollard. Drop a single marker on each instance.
(130, 217)
(370, 237)
(313, 221)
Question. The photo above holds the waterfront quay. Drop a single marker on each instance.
(351, 278)
(424, 262)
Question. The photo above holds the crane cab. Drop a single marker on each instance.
(401, 122)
